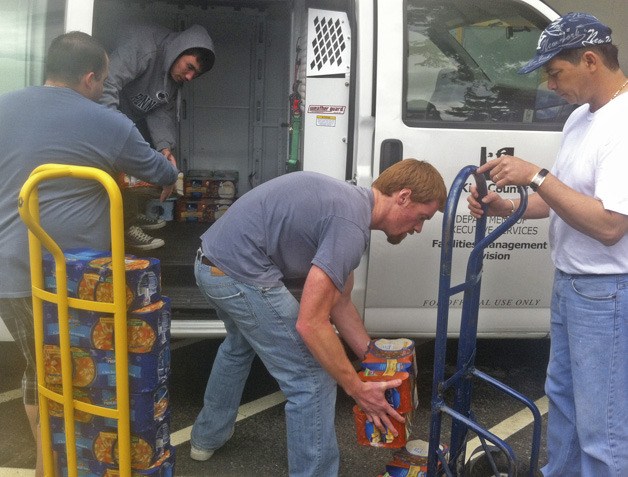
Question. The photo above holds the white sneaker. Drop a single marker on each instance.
(135, 238)
(146, 223)
(203, 455)
(200, 454)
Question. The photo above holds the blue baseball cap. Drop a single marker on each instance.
(573, 30)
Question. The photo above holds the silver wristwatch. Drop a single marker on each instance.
(538, 179)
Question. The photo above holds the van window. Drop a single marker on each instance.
(26, 29)
(461, 67)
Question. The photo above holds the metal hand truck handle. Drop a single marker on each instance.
(460, 382)
(28, 204)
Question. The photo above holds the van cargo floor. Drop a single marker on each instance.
(182, 241)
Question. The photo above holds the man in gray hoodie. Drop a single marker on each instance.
(147, 68)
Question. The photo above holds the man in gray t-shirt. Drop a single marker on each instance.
(302, 225)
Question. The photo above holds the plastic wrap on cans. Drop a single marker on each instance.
(202, 210)
(148, 328)
(390, 356)
(369, 435)
(90, 277)
(147, 409)
(402, 397)
(97, 369)
(411, 460)
(100, 444)
(202, 189)
(210, 184)
(164, 467)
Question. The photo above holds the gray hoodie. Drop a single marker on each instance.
(139, 82)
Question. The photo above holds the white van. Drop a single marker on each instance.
(346, 88)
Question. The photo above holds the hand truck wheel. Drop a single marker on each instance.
(479, 464)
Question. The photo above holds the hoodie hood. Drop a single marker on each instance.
(176, 43)
(139, 82)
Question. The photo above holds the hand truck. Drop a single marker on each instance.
(28, 204)
(460, 383)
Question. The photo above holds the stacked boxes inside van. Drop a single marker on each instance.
(207, 195)
(94, 378)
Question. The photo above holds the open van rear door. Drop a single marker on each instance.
(447, 92)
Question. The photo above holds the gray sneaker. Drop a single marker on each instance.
(146, 223)
(136, 239)
(202, 454)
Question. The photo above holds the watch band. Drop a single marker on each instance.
(538, 179)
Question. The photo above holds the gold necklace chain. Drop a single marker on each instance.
(619, 90)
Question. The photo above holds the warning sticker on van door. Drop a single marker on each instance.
(326, 121)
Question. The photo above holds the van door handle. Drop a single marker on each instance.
(391, 152)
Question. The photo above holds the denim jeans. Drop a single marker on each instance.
(17, 314)
(262, 321)
(587, 383)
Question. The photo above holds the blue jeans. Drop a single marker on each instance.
(587, 377)
(261, 321)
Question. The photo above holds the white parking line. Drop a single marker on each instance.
(9, 472)
(510, 426)
(246, 410)
(10, 395)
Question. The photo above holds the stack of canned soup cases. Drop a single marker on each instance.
(89, 277)
(386, 360)
(206, 195)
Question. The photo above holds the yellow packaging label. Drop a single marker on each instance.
(391, 367)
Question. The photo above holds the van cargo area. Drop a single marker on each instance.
(235, 119)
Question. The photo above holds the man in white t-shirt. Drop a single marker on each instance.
(586, 199)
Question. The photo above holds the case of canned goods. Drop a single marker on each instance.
(89, 277)
(97, 369)
(101, 443)
(147, 409)
(148, 328)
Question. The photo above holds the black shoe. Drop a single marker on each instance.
(146, 223)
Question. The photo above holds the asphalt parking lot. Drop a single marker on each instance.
(258, 446)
